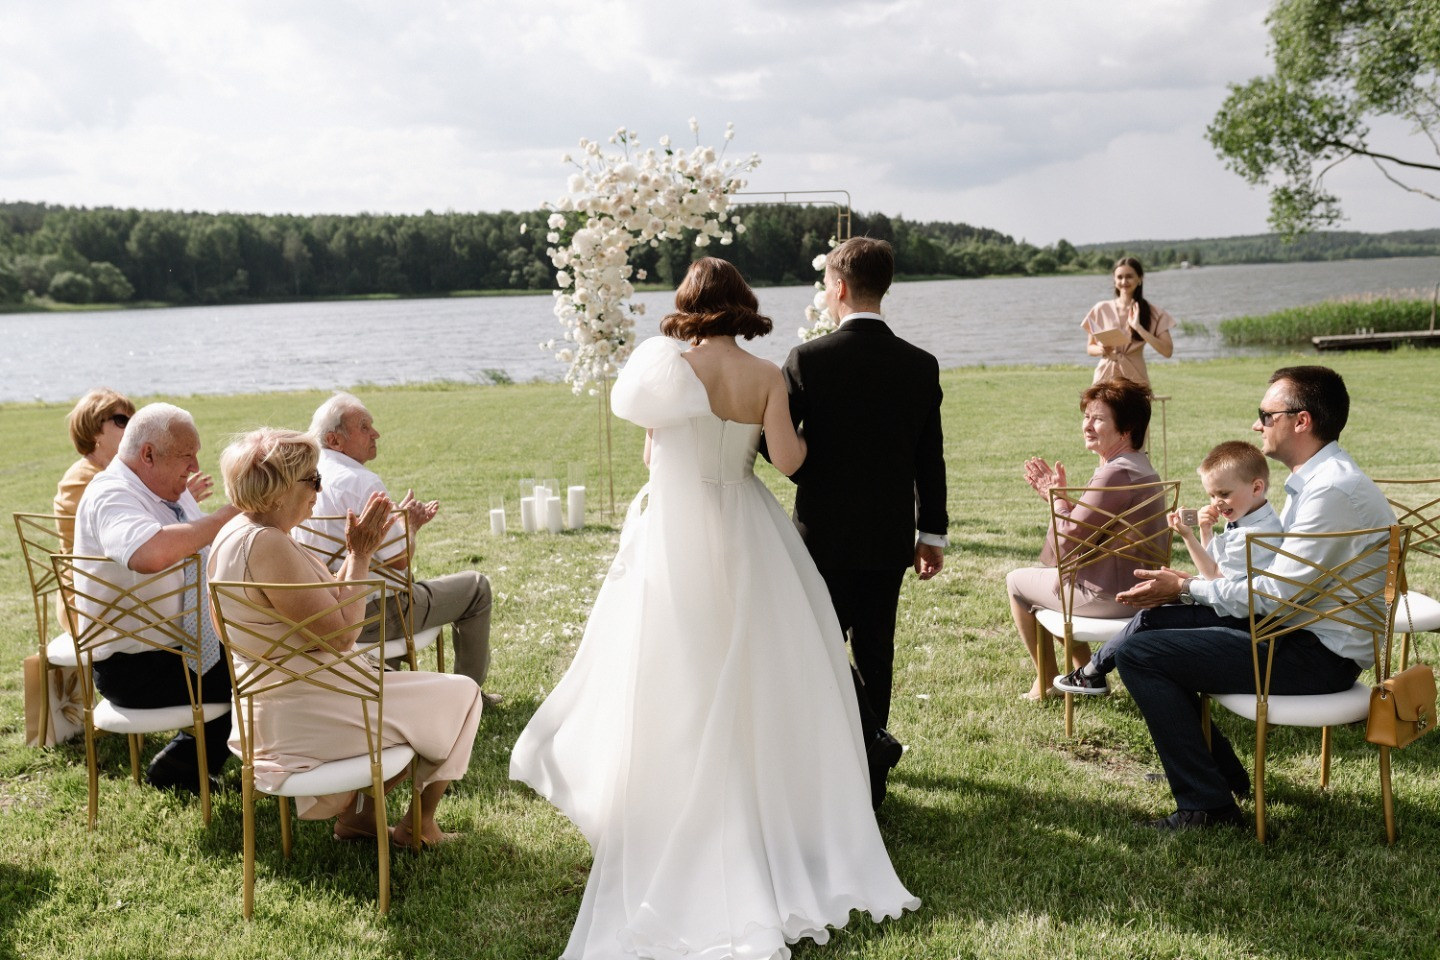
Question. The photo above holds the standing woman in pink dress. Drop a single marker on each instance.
(1119, 329)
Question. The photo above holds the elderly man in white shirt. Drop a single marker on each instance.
(1300, 419)
(139, 514)
(347, 436)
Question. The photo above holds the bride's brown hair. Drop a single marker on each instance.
(715, 301)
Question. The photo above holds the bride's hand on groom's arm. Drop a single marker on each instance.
(928, 560)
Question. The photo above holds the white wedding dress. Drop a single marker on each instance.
(706, 739)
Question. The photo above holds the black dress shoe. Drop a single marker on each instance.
(163, 776)
(883, 749)
(882, 752)
(1198, 819)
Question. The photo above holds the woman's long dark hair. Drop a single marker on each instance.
(1140, 301)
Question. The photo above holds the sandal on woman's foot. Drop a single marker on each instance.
(425, 842)
(351, 835)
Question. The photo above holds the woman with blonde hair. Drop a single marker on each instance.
(271, 476)
(97, 422)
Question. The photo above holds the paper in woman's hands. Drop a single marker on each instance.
(1112, 337)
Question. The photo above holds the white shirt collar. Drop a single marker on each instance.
(1296, 481)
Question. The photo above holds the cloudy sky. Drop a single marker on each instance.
(1081, 119)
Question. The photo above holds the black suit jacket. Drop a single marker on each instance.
(869, 405)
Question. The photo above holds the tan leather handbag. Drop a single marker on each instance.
(1402, 709)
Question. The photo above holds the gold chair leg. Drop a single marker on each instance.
(247, 801)
(204, 765)
(1069, 665)
(92, 771)
(440, 650)
(1260, 778)
(134, 739)
(44, 695)
(382, 839)
(1324, 758)
(285, 835)
(1386, 796)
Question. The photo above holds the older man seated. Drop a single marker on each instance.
(347, 436)
(139, 513)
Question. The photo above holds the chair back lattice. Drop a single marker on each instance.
(40, 539)
(270, 651)
(1352, 585)
(104, 603)
(159, 611)
(316, 536)
(1125, 525)
(1417, 506)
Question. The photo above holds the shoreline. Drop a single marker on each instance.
(1305, 354)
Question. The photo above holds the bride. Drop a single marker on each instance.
(706, 739)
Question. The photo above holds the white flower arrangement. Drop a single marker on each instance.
(816, 313)
(615, 201)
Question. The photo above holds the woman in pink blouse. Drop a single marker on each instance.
(1119, 329)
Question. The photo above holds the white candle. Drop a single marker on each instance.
(576, 502)
(497, 520)
(542, 493)
(552, 514)
(527, 514)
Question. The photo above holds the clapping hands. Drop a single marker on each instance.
(420, 513)
(1042, 477)
(365, 533)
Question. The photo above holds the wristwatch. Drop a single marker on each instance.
(1185, 596)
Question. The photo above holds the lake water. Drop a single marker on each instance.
(245, 349)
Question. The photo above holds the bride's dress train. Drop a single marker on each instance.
(706, 739)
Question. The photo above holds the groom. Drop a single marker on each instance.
(869, 407)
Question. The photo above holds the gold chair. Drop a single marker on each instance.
(1417, 505)
(315, 535)
(1137, 536)
(162, 612)
(269, 651)
(40, 539)
(1288, 593)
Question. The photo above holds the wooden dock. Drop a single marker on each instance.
(1377, 341)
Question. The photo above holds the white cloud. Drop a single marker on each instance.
(1083, 120)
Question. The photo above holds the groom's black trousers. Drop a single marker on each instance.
(865, 602)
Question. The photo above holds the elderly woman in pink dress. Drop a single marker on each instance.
(272, 476)
(1118, 330)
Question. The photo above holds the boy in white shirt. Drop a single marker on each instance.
(1236, 478)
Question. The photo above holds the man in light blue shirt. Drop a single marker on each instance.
(1300, 419)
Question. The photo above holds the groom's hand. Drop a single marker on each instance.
(928, 560)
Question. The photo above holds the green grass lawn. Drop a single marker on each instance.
(1020, 842)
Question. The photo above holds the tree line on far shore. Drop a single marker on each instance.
(78, 255)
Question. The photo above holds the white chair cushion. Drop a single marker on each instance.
(1424, 613)
(60, 651)
(1318, 710)
(152, 719)
(395, 647)
(1091, 630)
(338, 776)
